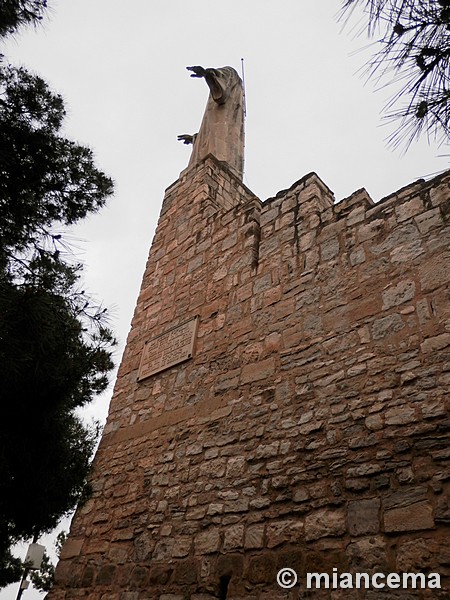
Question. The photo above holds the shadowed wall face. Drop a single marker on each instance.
(310, 427)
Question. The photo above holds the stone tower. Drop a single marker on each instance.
(282, 400)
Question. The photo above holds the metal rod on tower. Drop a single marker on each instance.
(243, 87)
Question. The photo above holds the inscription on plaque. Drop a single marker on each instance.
(168, 349)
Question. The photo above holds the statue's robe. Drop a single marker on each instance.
(222, 130)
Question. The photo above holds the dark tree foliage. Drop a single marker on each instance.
(15, 13)
(44, 178)
(414, 39)
(55, 346)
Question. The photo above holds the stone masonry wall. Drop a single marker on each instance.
(311, 428)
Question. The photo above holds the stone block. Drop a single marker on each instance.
(409, 209)
(386, 326)
(106, 575)
(442, 513)
(207, 541)
(254, 537)
(324, 523)
(433, 344)
(72, 547)
(414, 555)
(433, 408)
(195, 263)
(357, 257)
(233, 538)
(330, 248)
(185, 572)
(401, 415)
(163, 550)
(428, 220)
(160, 574)
(397, 239)
(280, 532)
(257, 371)
(434, 273)
(374, 422)
(214, 468)
(236, 466)
(261, 569)
(368, 553)
(363, 516)
(215, 509)
(414, 517)
(229, 241)
(398, 294)
(408, 253)
(405, 496)
(99, 546)
(139, 577)
(143, 546)
(239, 505)
(267, 450)
(181, 547)
(357, 215)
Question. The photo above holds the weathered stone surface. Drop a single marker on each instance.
(72, 547)
(330, 248)
(207, 541)
(233, 538)
(438, 342)
(411, 518)
(181, 547)
(254, 536)
(138, 578)
(442, 513)
(368, 553)
(280, 532)
(261, 569)
(386, 326)
(163, 550)
(414, 555)
(405, 497)
(185, 572)
(160, 574)
(236, 466)
(409, 209)
(324, 523)
(398, 293)
(310, 428)
(258, 371)
(106, 575)
(400, 415)
(300, 495)
(363, 516)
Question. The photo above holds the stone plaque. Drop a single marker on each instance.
(168, 349)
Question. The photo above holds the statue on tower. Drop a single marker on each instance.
(222, 130)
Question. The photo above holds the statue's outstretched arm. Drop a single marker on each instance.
(187, 138)
(211, 77)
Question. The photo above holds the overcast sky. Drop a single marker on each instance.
(121, 68)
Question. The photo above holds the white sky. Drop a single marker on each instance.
(120, 67)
